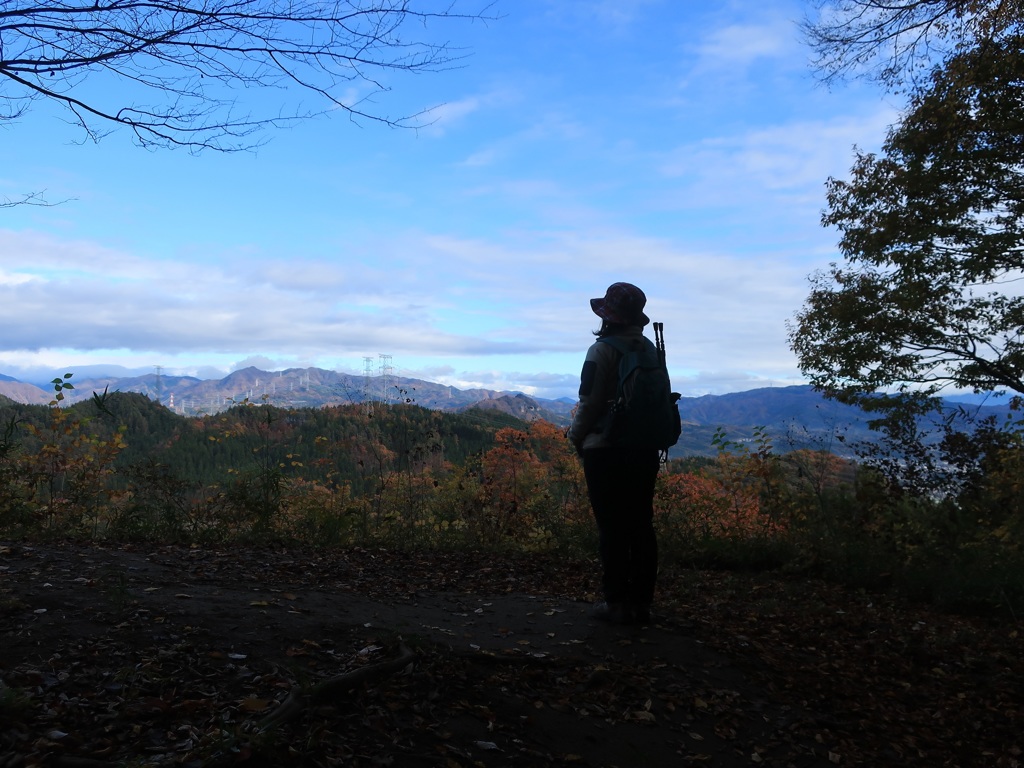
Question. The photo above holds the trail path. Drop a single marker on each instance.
(175, 655)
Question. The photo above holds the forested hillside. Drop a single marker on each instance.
(338, 443)
(120, 466)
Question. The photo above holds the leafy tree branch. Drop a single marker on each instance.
(932, 233)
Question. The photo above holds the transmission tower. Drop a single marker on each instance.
(367, 376)
(385, 378)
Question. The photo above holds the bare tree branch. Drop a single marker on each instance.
(30, 198)
(899, 42)
(183, 66)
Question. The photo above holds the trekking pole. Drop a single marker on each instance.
(659, 341)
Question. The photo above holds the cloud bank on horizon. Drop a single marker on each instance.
(681, 148)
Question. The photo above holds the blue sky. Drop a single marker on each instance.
(680, 146)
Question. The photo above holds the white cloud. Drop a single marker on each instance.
(15, 278)
(483, 157)
(614, 15)
(471, 299)
(738, 46)
(458, 113)
(441, 117)
(205, 372)
(262, 362)
(790, 160)
(618, 12)
(724, 381)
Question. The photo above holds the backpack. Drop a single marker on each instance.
(644, 413)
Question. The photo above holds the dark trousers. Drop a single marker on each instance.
(620, 484)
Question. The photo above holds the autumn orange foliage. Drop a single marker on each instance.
(700, 506)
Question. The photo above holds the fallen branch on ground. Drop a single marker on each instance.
(325, 691)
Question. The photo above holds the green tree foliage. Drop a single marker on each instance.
(932, 232)
(929, 294)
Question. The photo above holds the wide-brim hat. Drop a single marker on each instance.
(623, 303)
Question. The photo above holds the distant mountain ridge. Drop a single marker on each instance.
(294, 388)
(22, 392)
(792, 417)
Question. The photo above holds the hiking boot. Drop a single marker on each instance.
(641, 615)
(610, 613)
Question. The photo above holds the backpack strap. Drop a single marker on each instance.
(622, 346)
(615, 341)
(643, 354)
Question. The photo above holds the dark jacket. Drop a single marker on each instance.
(598, 383)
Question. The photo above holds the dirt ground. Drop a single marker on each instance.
(184, 656)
